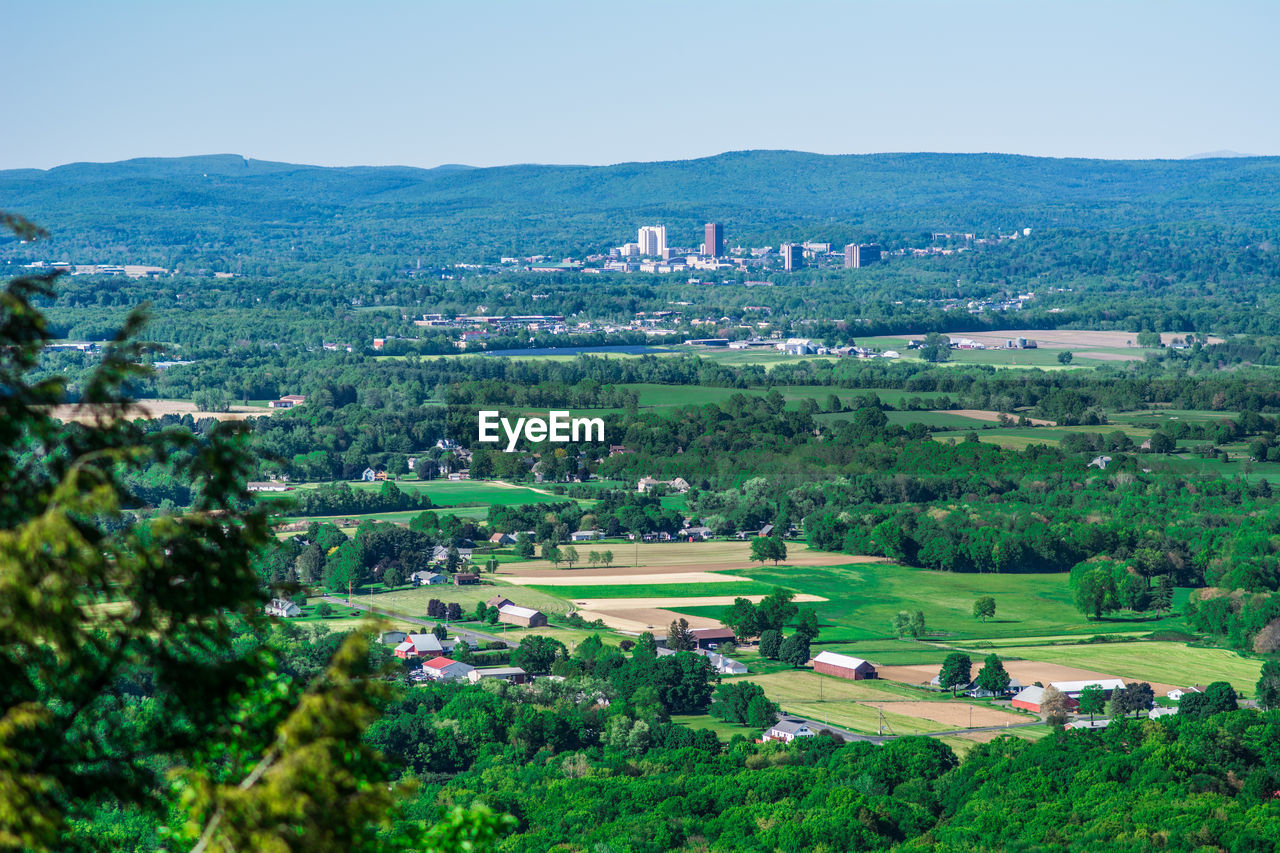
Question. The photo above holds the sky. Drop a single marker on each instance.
(489, 83)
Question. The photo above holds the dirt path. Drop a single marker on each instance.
(993, 417)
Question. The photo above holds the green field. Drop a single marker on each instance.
(654, 590)
(1169, 663)
(413, 602)
(862, 598)
(724, 731)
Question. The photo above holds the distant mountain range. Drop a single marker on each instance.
(275, 216)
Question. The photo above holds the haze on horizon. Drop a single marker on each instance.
(401, 83)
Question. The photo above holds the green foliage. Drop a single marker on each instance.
(956, 672)
(1092, 700)
(984, 607)
(740, 617)
(680, 638)
(993, 676)
(770, 644)
(1268, 688)
(765, 548)
(795, 650)
(744, 703)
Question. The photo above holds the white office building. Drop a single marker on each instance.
(652, 240)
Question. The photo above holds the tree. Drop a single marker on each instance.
(768, 548)
(1162, 597)
(552, 553)
(481, 612)
(391, 577)
(795, 651)
(1095, 592)
(993, 676)
(770, 644)
(1065, 357)
(324, 610)
(807, 626)
(593, 558)
(984, 607)
(491, 566)
(69, 674)
(1092, 700)
(916, 623)
(1137, 697)
(646, 647)
(956, 672)
(453, 611)
(570, 555)
(1194, 705)
(901, 622)
(440, 632)
(461, 652)
(776, 609)
(1162, 442)
(607, 558)
(524, 546)
(740, 617)
(936, 348)
(1268, 688)
(1220, 697)
(679, 637)
(1053, 704)
(452, 559)
(536, 654)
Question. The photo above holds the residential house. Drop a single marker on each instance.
(288, 401)
(787, 730)
(422, 645)
(1161, 711)
(679, 485)
(427, 578)
(498, 601)
(584, 535)
(283, 608)
(696, 534)
(270, 486)
(502, 539)
(441, 553)
(1177, 693)
(843, 666)
(726, 666)
(524, 617)
(446, 669)
(466, 579)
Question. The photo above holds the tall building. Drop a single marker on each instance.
(652, 240)
(792, 256)
(713, 240)
(858, 255)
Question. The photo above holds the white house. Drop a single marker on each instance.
(427, 578)
(584, 535)
(726, 666)
(283, 608)
(1177, 693)
(446, 669)
(787, 730)
(1158, 712)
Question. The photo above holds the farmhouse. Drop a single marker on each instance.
(584, 535)
(711, 638)
(498, 601)
(288, 401)
(787, 730)
(441, 553)
(511, 674)
(283, 608)
(420, 645)
(726, 666)
(525, 617)
(427, 578)
(446, 669)
(843, 666)
(1177, 693)
(502, 539)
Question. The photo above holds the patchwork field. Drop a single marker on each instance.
(862, 598)
(413, 602)
(1174, 664)
(723, 555)
(1026, 671)
(611, 578)
(159, 408)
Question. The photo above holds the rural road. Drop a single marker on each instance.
(470, 636)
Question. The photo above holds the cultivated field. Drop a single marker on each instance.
(952, 715)
(413, 602)
(156, 409)
(1173, 664)
(1059, 339)
(1026, 671)
(726, 555)
(610, 577)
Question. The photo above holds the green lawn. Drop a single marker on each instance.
(1169, 663)
(413, 602)
(724, 731)
(862, 598)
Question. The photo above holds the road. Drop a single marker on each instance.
(472, 637)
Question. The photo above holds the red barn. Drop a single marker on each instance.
(843, 666)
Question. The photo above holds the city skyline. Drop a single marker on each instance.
(426, 85)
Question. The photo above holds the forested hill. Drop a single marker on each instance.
(276, 216)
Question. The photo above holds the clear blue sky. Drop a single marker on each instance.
(486, 83)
